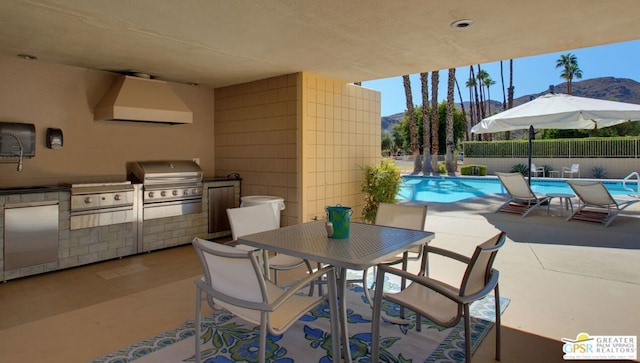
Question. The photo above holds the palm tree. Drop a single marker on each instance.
(569, 64)
(434, 118)
(477, 100)
(507, 134)
(473, 104)
(426, 125)
(451, 167)
(504, 94)
(480, 84)
(488, 82)
(413, 128)
(464, 113)
(484, 80)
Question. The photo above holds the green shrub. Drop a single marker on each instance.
(472, 169)
(442, 167)
(381, 185)
(520, 168)
(599, 172)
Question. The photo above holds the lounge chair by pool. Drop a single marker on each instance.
(596, 203)
(522, 199)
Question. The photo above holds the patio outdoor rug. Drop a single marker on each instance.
(229, 339)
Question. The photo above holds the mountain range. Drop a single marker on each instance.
(606, 88)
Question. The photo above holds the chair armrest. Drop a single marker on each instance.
(447, 253)
(299, 285)
(427, 282)
(442, 289)
(271, 306)
(203, 286)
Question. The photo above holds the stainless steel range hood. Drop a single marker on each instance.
(140, 99)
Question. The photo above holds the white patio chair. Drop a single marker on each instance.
(521, 199)
(442, 303)
(260, 218)
(596, 203)
(234, 280)
(400, 216)
(535, 170)
(573, 170)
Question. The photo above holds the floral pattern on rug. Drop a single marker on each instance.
(227, 339)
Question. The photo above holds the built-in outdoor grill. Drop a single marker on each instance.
(170, 188)
(101, 204)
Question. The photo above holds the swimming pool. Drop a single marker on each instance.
(446, 189)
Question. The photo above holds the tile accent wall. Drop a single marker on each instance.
(302, 137)
(340, 135)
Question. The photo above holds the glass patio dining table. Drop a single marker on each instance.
(366, 246)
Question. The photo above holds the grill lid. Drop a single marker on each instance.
(164, 172)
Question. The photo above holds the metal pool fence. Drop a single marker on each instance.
(610, 147)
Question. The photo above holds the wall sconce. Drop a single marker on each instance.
(54, 138)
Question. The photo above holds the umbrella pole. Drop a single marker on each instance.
(531, 136)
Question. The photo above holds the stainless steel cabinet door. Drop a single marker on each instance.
(220, 198)
(30, 235)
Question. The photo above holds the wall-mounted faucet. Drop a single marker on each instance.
(19, 145)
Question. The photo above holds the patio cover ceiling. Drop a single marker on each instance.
(219, 42)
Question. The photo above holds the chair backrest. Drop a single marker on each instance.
(253, 219)
(402, 216)
(516, 185)
(479, 269)
(235, 276)
(593, 193)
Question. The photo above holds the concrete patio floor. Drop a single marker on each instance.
(563, 278)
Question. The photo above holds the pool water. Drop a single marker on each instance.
(444, 189)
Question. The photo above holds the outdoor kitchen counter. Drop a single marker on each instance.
(78, 247)
(33, 189)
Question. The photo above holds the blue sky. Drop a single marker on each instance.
(530, 75)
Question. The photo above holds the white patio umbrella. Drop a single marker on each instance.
(559, 111)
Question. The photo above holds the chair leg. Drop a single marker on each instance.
(467, 335)
(365, 286)
(310, 271)
(333, 314)
(403, 281)
(320, 289)
(263, 338)
(375, 321)
(197, 322)
(498, 322)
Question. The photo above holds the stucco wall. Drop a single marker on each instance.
(51, 95)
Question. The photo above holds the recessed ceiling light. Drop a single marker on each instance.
(27, 56)
(463, 23)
